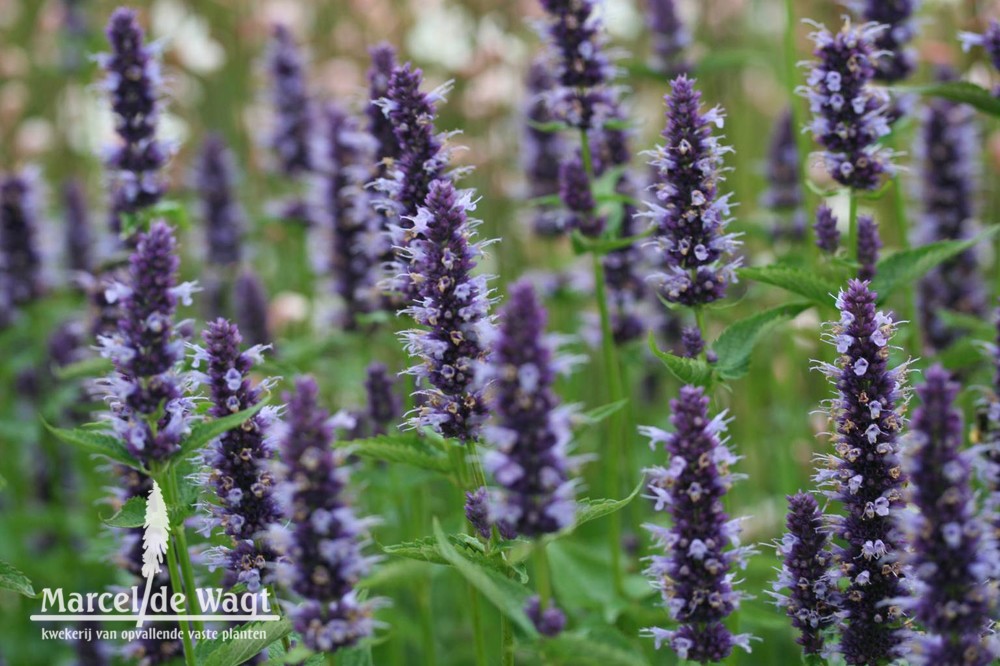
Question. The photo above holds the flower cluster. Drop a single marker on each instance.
(79, 244)
(670, 37)
(865, 476)
(379, 126)
(293, 139)
(869, 244)
(20, 258)
(147, 392)
(576, 195)
(531, 431)
(894, 61)
(324, 540)
(384, 406)
(689, 214)
(625, 279)
(238, 460)
(947, 152)
(849, 115)
(133, 81)
(695, 576)
(453, 307)
(220, 211)
(825, 227)
(953, 553)
(784, 191)
(812, 597)
(549, 621)
(542, 152)
(251, 308)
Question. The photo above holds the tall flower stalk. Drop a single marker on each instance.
(670, 37)
(784, 194)
(542, 151)
(20, 256)
(79, 237)
(865, 477)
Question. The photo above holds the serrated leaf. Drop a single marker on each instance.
(591, 509)
(958, 91)
(689, 370)
(426, 550)
(507, 596)
(598, 414)
(584, 649)
(12, 579)
(735, 345)
(804, 283)
(96, 366)
(906, 266)
(132, 514)
(235, 652)
(100, 443)
(204, 432)
(408, 449)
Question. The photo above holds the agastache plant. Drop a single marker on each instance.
(79, 240)
(825, 228)
(132, 79)
(689, 214)
(869, 245)
(895, 61)
(542, 151)
(865, 477)
(989, 40)
(849, 115)
(784, 193)
(669, 35)
(293, 139)
(238, 461)
(531, 432)
(383, 63)
(954, 560)
(383, 405)
(452, 307)
(20, 256)
(324, 540)
(251, 308)
(695, 574)
(221, 215)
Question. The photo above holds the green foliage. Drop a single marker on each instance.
(96, 366)
(204, 432)
(100, 443)
(959, 91)
(694, 371)
(132, 514)
(468, 546)
(735, 345)
(12, 579)
(598, 414)
(172, 211)
(408, 449)
(816, 288)
(231, 652)
(591, 648)
(592, 509)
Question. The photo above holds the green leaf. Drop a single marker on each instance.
(132, 514)
(551, 127)
(409, 449)
(508, 597)
(906, 266)
(736, 343)
(592, 649)
(204, 432)
(598, 414)
(100, 443)
(689, 370)
(804, 283)
(426, 550)
(360, 655)
(959, 91)
(602, 246)
(12, 579)
(171, 211)
(96, 366)
(591, 509)
(235, 652)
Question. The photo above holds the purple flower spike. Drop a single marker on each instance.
(869, 244)
(351, 219)
(695, 576)
(238, 460)
(477, 511)
(379, 126)
(849, 115)
(549, 621)
(20, 259)
(79, 243)
(827, 234)
(988, 417)
(895, 17)
(146, 393)
(453, 307)
(220, 212)
(251, 308)
(531, 432)
(292, 139)
(574, 190)
(625, 278)
(133, 80)
(812, 597)
(692, 342)
(948, 155)
(384, 406)
(784, 192)
(689, 214)
(865, 477)
(670, 37)
(953, 554)
(989, 40)
(542, 151)
(323, 543)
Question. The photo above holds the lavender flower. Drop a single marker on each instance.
(379, 126)
(324, 541)
(895, 61)
(575, 192)
(292, 139)
(989, 40)
(238, 459)
(20, 259)
(947, 152)
(812, 598)
(869, 244)
(251, 308)
(78, 235)
(220, 212)
(384, 406)
(849, 116)
(133, 81)
(453, 307)
(784, 192)
(695, 576)
(827, 234)
(626, 284)
(150, 410)
(953, 554)
(350, 217)
(669, 35)
(542, 152)
(865, 476)
(531, 431)
(477, 511)
(692, 342)
(689, 214)
(549, 621)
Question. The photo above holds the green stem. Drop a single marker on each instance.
(183, 554)
(331, 659)
(424, 596)
(506, 642)
(477, 626)
(902, 229)
(544, 587)
(285, 641)
(852, 233)
(588, 162)
(175, 580)
(699, 320)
